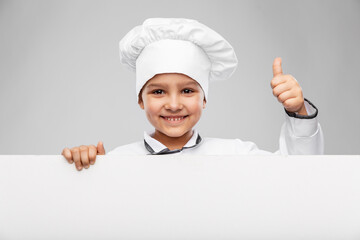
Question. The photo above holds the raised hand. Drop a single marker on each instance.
(287, 90)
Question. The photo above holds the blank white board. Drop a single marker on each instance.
(180, 197)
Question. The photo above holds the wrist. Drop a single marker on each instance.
(302, 111)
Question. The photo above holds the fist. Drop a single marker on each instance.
(83, 156)
(287, 90)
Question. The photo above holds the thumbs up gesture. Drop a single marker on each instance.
(287, 90)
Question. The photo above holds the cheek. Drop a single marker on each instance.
(152, 107)
(195, 105)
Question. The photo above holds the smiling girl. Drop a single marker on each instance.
(174, 60)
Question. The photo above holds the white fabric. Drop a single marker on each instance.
(302, 132)
(173, 56)
(297, 136)
(218, 51)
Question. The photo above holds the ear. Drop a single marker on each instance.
(141, 104)
(140, 100)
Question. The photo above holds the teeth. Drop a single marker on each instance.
(174, 119)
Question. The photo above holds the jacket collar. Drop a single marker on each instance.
(156, 148)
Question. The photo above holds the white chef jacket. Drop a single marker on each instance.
(299, 135)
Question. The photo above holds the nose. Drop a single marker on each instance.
(173, 103)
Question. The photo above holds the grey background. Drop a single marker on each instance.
(61, 83)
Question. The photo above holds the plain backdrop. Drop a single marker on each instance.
(62, 85)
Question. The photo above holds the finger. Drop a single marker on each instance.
(279, 89)
(84, 153)
(285, 96)
(76, 157)
(67, 154)
(278, 80)
(277, 69)
(292, 104)
(100, 148)
(92, 154)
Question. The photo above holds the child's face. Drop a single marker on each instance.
(173, 103)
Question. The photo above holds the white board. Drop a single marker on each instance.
(181, 197)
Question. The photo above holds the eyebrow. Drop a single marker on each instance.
(164, 85)
(156, 85)
(190, 83)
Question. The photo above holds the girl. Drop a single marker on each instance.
(174, 60)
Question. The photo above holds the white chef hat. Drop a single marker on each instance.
(177, 45)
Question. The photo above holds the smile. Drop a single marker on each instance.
(174, 118)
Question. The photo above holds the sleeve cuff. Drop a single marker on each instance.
(303, 126)
(310, 109)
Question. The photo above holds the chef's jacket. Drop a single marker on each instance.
(299, 135)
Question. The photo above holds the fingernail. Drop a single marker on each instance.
(79, 168)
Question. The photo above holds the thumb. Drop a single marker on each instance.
(277, 69)
(100, 148)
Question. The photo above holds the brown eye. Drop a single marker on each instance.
(157, 92)
(187, 91)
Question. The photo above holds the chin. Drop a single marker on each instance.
(175, 132)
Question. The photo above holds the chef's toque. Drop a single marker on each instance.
(177, 45)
